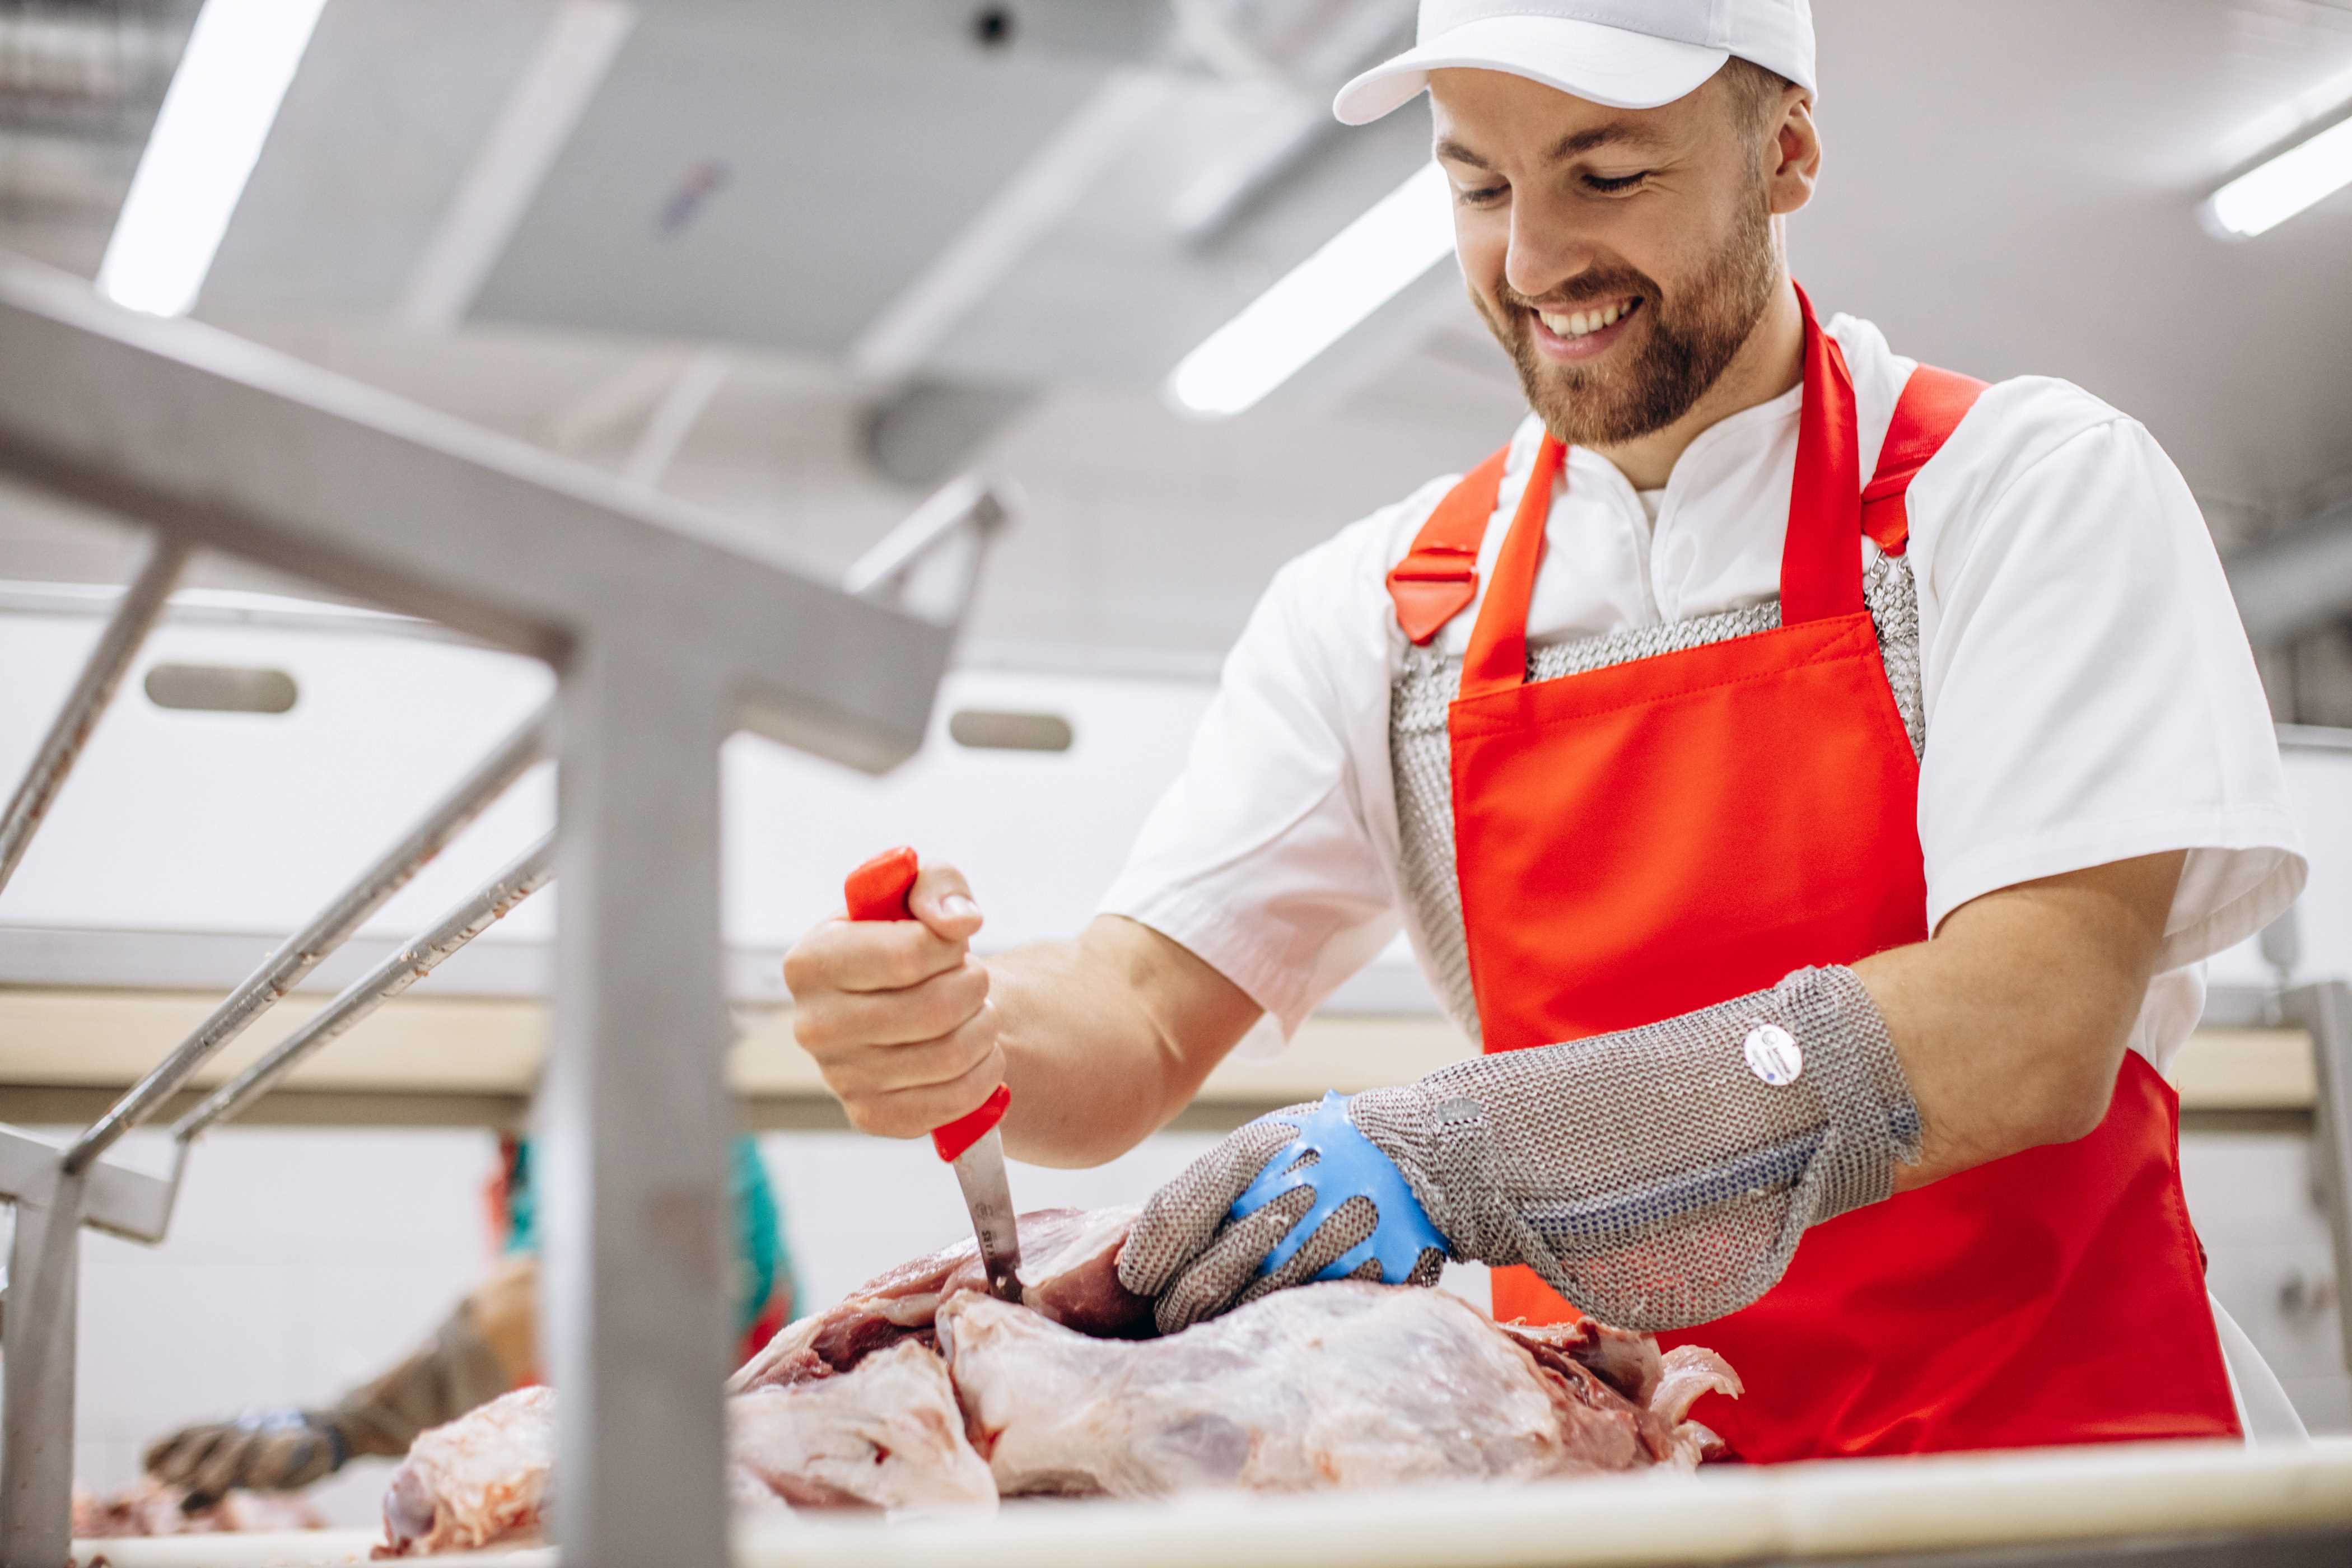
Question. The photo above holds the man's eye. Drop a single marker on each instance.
(1485, 197)
(1607, 183)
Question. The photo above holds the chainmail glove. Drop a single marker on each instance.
(264, 1450)
(1297, 1195)
(1661, 1176)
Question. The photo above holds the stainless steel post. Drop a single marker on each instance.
(134, 616)
(2325, 1011)
(302, 951)
(487, 905)
(36, 1338)
(633, 1113)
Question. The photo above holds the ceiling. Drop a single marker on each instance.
(843, 200)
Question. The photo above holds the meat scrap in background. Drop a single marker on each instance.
(922, 1391)
(148, 1507)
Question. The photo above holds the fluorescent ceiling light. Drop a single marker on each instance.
(217, 113)
(1362, 267)
(2273, 192)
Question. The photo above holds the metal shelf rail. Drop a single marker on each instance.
(666, 630)
(2326, 1011)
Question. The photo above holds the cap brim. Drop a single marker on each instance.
(1586, 59)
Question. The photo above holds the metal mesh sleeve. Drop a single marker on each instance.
(1661, 1176)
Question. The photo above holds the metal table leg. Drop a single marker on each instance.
(37, 1423)
(635, 1116)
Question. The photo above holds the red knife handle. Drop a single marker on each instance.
(968, 1129)
(877, 892)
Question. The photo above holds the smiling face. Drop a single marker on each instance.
(1622, 256)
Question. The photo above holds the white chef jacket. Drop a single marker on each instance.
(2088, 690)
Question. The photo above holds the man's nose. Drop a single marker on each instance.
(1547, 249)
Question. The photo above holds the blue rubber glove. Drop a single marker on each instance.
(1296, 1196)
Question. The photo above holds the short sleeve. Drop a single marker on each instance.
(2090, 695)
(1259, 858)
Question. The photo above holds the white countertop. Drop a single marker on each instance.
(1725, 1515)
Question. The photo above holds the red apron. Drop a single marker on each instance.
(1642, 840)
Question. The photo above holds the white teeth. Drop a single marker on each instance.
(1582, 323)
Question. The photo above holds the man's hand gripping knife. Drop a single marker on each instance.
(1655, 1177)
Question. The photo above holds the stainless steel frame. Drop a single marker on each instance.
(299, 954)
(667, 628)
(2325, 1011)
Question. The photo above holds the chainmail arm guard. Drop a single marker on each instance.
(1652, 1177)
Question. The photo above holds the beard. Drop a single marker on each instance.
(1687, 343)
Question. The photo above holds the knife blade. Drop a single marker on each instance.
(970, 1144)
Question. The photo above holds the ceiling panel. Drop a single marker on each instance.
(1111, 292)
(2010, 210)
(749, 184)
(384, 118)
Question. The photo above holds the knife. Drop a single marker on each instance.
(970, 1144)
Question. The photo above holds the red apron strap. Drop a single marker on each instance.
(1821, 561)
(1932, 405)
(1497, 656)
(1439, 575)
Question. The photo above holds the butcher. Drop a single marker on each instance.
(1813, 778)
(486, 1346)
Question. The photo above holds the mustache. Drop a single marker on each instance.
(1592, 289)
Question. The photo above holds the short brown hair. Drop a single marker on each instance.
(1754, 92)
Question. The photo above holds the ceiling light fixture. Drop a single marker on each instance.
(1315, 304)
(223, 97)
(2275, 190)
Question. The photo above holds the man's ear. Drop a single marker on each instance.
(1796, 153)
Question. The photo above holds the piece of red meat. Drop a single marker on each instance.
(1338, 1384)
(1069, 1275)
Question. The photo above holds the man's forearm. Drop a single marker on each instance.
(2011, 1023)
(1106, 1037)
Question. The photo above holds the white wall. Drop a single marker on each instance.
(2253, 1198)
(299, 1263)
(2319, 784)
(245, 822)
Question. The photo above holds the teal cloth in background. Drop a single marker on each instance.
(761, 1258)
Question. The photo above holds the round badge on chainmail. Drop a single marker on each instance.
(1772, 1055)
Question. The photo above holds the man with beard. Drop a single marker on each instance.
(1673, 732)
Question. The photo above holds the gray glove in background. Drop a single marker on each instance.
(479, 1352)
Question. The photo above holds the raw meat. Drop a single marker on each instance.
(923, 1391)
(153, 1508)
(1069, 1271)
(1332, 1386)
(886, 1435)
(481, 1478)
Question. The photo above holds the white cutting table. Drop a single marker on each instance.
(1856, 1507)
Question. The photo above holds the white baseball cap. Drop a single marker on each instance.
(1627, 54)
